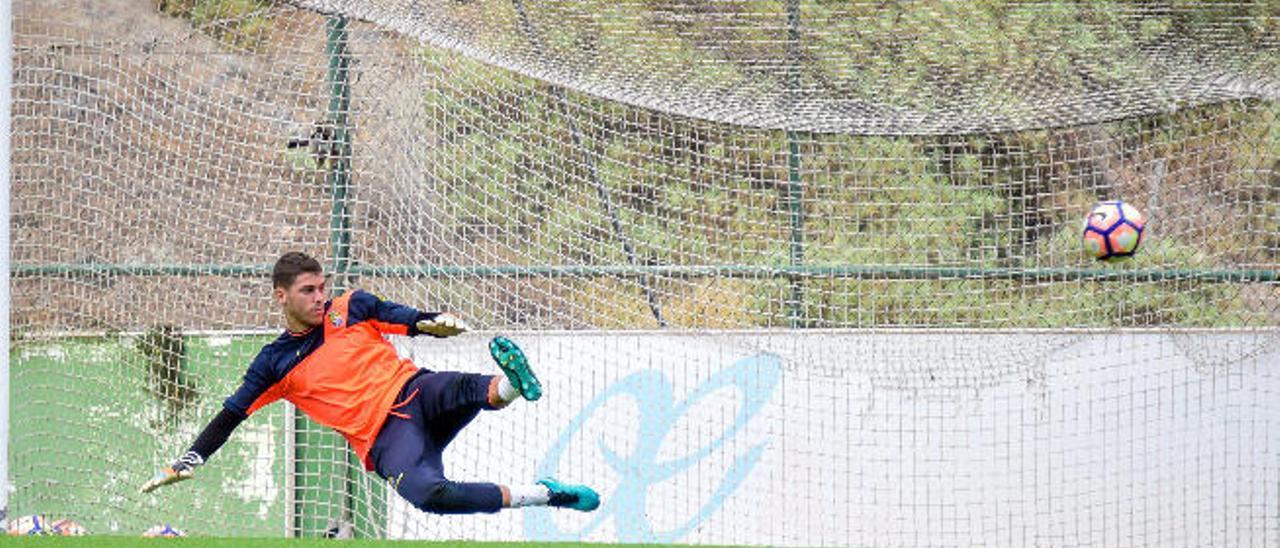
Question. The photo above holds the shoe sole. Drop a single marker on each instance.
(513, 363)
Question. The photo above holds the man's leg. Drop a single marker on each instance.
(428, 490)
(409, 459)
(410, 455)
(451, 400)
(448, 401)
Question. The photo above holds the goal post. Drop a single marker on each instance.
(6, 102)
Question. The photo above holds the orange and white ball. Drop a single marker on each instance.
(1113, 230)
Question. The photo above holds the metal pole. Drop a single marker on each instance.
(339, 176)
(361, 508)
(326, 476)
(795, 206)
(795, 188)
(6, 101)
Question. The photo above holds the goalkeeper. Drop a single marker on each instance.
(334, 364)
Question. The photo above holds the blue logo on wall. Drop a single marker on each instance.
(755, 377)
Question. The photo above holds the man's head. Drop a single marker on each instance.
(298, 282)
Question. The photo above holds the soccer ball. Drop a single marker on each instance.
(67, 528)
(163, 530)
(29, 525)
(1113, 230)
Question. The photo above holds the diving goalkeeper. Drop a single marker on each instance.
(334, 364)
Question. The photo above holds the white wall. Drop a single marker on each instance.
(882, 438)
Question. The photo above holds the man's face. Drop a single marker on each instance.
(303, 302)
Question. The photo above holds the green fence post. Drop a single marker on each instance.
(339, 174)
(795, 188)
(330, 487)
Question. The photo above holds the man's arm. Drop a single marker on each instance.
(399, 319)
(212, 438)
(259, 388)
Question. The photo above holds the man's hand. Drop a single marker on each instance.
(164, 477)
(443, 325)
(184, 469)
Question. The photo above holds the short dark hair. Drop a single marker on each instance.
(289, 265)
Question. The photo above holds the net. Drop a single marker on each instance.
(696, 184)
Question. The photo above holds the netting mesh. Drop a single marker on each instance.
(864, 67)
(685, 167)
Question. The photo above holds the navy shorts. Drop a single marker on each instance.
(431, 409)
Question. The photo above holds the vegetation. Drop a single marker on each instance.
(692, 192)
(533, 174)
(164, 352)
(240, 24)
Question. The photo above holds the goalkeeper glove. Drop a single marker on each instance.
(181, 470)
(443, 325)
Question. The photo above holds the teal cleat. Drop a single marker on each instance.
(577, 497)
(513, 363)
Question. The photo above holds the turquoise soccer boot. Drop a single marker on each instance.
(577, 497)
(514, 365)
